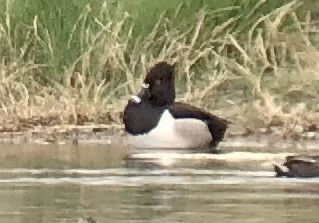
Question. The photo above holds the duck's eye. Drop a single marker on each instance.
(158, 82)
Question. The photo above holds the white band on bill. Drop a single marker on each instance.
(136, 99)
(145, 85)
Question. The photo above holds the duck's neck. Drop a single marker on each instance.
(165, 99)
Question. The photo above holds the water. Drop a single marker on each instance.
(61, 183)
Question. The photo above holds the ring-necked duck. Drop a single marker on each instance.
(153, 119)
(298, 166)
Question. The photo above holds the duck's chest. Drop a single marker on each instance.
(141, 118)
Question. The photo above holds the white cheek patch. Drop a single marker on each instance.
(136, 99)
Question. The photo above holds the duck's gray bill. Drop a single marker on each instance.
(142, 94)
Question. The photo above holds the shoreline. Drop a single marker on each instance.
(103, 134)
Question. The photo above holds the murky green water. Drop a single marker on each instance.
(54, 183)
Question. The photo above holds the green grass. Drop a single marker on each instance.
(59, 23)
(252, 62)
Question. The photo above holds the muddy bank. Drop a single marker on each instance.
(65, 134)
(236, 139)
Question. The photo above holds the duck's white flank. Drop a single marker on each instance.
(171, 133)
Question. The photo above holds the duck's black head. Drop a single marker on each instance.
(159, 85)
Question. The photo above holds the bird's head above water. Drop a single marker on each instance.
(158, 87)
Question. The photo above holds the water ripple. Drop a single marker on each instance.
(138, 177)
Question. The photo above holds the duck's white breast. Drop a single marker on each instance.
(171, 133)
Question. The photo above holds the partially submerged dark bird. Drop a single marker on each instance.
(298, 166)
(153, 119)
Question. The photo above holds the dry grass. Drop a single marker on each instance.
(260, 77)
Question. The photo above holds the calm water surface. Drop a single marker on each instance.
(55, 183)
